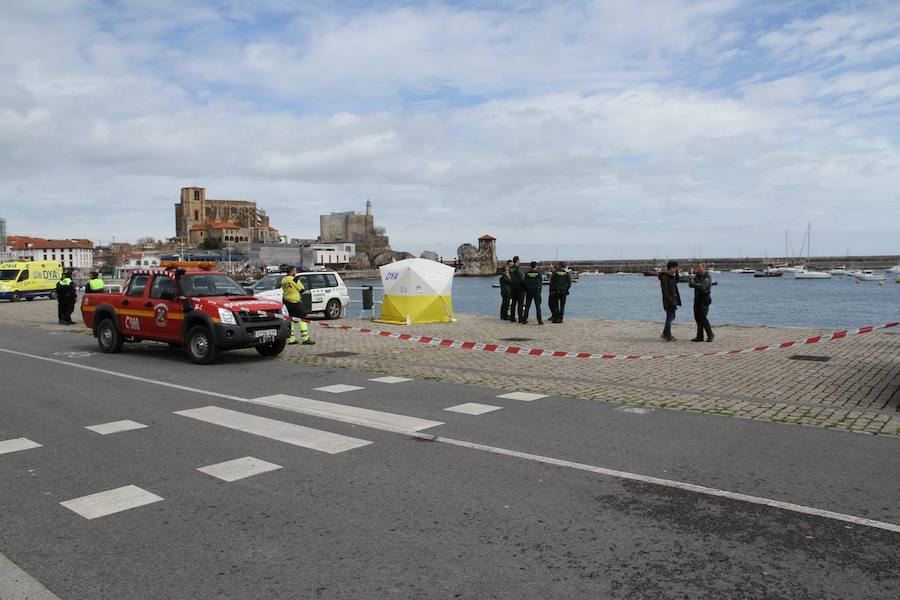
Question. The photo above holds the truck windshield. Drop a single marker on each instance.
(8, 274)
(212, 284)
(269, 282)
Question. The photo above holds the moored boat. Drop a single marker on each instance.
(869, 275)
(811, 275)
(768, 273)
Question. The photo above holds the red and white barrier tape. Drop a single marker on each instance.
(523, 350)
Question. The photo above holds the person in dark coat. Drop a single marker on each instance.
(702, 285)
(560, 282)
(668, 281)
(533, 293)
(516, 292)
(66, 297)
(505, 292)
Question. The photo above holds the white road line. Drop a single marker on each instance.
(339, 388)
(523, 396)
(239, 468)
(689, 487)
(390, 379)
(289, 433)
(111, 501)
(16, 583)
(124, 375)
(116, 427)
(17, 444)
(473, 408)
(365, 417)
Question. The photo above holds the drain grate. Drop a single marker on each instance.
(514, 339)
(338, 354)
(810, 358)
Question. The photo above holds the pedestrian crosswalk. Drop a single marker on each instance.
(127, 497)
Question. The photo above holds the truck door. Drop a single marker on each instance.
(165, 322)
(130, 305)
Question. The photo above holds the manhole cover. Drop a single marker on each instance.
(810, 358)
(635, 409)
(339, 354)
(518, 339)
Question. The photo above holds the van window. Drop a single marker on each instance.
(137, 286)
(161, 284)
(23, 275)
(317, 281)
(332, 279)
(304, 281)
(8, 274)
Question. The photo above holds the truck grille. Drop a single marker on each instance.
(256, 318)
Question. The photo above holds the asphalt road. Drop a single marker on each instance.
(476, 512)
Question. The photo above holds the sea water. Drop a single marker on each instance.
(834, 303)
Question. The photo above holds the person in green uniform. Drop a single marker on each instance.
(291, 289)
(560, 282)
(505, 292)
(95, 285)
(516, 291)
(532, 293)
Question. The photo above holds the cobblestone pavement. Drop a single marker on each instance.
(857, 389)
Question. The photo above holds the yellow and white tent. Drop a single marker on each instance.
(417, 290)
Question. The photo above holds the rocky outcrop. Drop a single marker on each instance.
(389, 256)
(429, 255)
(478, 261)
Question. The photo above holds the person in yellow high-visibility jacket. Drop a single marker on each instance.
(291, 289)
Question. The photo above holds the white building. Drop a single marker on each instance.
(72, 254)
(135, 262)
(333, 255)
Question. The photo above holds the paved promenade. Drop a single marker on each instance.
(856, 389)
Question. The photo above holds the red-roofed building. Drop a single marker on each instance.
(198, 218)
(73, 254)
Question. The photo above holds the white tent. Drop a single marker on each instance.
(417, 290)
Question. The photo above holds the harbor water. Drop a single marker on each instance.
(737, 299)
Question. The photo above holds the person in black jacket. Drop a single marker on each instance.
(516, 292)
(66, 297)
(668, 280)
(505, 292)
(560, 282)
(702, 285)
(533, 293)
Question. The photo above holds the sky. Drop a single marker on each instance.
(616, 128)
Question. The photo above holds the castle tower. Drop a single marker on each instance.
(368, 208)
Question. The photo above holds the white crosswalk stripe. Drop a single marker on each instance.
(116, 427)
(111, 501)
(473, 408)
(523, 396)
(17, 444)
(374, 419)
(239, 468)
(390, 379)
(339, 388)
(289, 433)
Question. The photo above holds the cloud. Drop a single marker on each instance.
(534, 122)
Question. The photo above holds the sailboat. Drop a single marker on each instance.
(804, 274)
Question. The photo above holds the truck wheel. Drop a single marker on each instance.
(333, 309)
(108, 337)
(15, 297)
(273, 349)
(200, 345)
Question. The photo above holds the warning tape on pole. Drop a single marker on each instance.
(526, 351)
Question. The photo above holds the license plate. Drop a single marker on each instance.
(265, 333)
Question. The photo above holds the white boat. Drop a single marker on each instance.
(895, 269)
(869, 275)
(841, 270)
(743, 271)
(853, 273)
(811, 275)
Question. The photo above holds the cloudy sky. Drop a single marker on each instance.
(578, 129)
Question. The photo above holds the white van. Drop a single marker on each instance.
(329, 294)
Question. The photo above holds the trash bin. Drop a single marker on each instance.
(306, 302)
(368, 297)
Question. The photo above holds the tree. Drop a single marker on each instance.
(211, 243)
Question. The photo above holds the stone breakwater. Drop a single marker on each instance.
(856, 389)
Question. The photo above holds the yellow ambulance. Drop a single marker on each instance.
(29, 279)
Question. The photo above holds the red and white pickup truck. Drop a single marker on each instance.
(203, 311)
